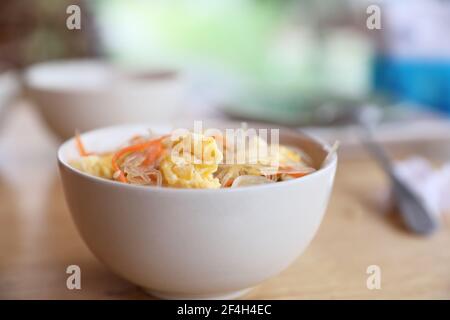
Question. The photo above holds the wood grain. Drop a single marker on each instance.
(38, 240)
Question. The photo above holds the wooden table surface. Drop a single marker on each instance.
(38, 239)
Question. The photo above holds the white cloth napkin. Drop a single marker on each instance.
(431, 184)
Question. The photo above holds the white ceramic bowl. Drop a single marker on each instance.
(9, 90)
(88, 94)
(182, 243)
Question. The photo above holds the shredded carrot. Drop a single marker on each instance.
(133, 148)
(229, 183)
(80, 146)
(153, 153)
(292, 172)
(297, 175)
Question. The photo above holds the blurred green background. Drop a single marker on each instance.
(292, 61)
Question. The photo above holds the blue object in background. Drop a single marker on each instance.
(413, 62)
(424, 82)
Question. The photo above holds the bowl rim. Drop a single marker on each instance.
(332, 162)
(32, 76)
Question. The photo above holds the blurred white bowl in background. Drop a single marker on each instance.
(87, 94)
(9, 89)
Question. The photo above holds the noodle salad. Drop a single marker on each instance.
(196, 161)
